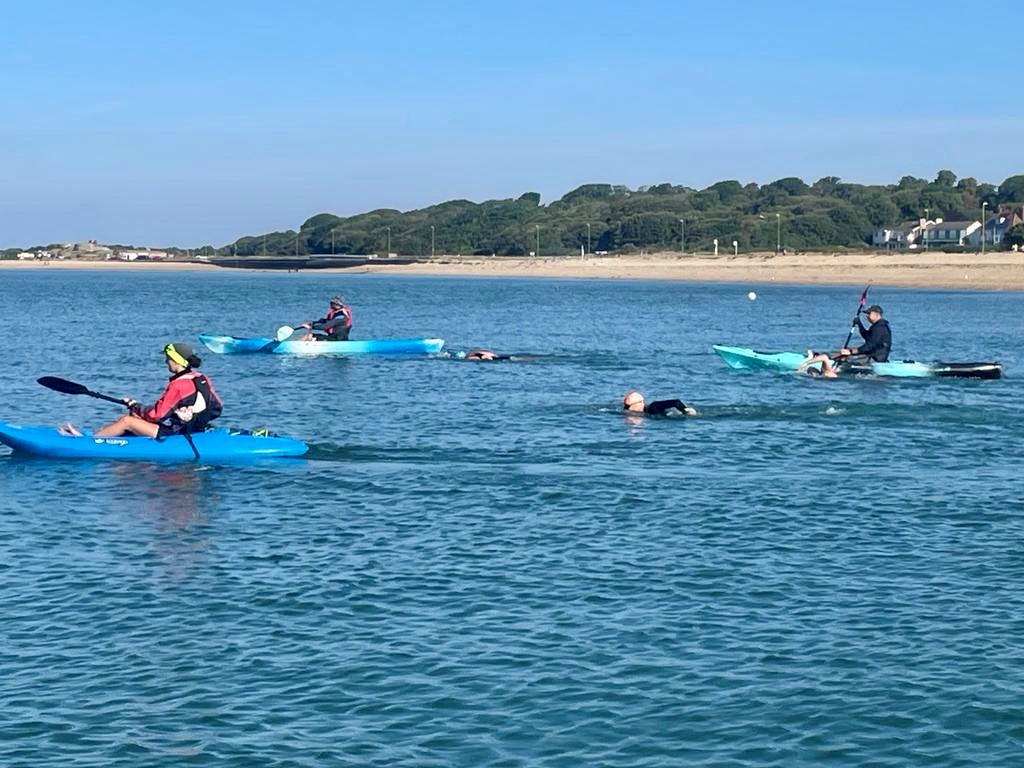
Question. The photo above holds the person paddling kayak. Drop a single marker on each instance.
(634, 402)
(877, 338)
(188, 404)
(335, 326)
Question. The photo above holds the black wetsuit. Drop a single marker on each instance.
(661, 407)
(877, 341)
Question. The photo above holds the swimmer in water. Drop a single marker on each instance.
(485, 355)
(634, 402)
(828, 367)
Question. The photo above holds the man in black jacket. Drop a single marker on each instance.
(877, 338)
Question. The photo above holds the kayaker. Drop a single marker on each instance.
(828, 368)
(188, 403)
(336, 326)
(877, 337)
(634, 402)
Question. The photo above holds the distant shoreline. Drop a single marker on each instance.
(999, 271)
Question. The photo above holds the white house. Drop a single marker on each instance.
(27, 256)
(941, 232)
(996, 227)
(903, 235)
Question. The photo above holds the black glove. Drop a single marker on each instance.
(856, 319)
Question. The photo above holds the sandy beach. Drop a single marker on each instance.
(996, 271)
(1001, 270)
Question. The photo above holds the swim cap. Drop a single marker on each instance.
(633, 401)
(179, 353)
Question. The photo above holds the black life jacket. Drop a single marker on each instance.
(206, 406)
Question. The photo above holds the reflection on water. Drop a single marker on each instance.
(176, 501)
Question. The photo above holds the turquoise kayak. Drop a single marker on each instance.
(741, 358)
(232, 345)
(218, 445)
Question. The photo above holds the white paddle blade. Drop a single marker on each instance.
(284, 333)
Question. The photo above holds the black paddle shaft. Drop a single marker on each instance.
(73, 388)
(860, 308)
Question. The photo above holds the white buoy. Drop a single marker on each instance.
(752, 295)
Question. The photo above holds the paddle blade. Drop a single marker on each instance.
(284, 333)
(63, 385)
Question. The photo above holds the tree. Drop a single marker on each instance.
(968, 185)
(879, 209)
(1012, 190)
(825, 186)
(945, 179)
(588, 191)
(726, 190)
(790, 185)
(1014, 237)
(910, 182)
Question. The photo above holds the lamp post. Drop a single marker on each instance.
(682, 235)
(588, 238)
(778, 233)
(984, 205)
(389, 241)
(538, 240)
(924, 232)
(431, 241)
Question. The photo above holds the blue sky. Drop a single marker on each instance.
(197, 122)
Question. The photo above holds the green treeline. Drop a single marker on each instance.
(826, 214)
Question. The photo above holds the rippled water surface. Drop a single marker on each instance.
(487, 564)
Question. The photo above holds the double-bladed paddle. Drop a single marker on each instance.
(72, 388)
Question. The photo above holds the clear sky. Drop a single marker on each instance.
(186, 123)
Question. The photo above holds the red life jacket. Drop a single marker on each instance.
(345, 312)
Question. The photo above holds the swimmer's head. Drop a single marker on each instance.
(633, 401)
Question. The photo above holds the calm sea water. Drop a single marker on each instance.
(487, 564)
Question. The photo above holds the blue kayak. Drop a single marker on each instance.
(218, 445)
(232, 345)
(742, 358)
